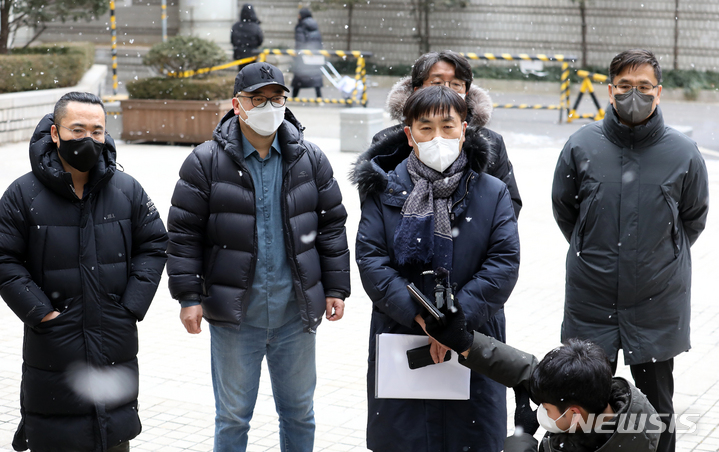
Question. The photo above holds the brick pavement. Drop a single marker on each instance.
(176, 402)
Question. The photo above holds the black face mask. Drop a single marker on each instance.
(81, 154)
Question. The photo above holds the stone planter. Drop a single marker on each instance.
(173, 121)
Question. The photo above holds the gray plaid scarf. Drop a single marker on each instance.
(424, 233)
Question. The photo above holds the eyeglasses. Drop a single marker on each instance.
(455, 85)
(79, 132)
(644, 88)
(261, 101)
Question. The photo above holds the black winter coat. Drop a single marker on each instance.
(98, 261)
(480, 111)
(246, 35)
(486, 263)
(630, 201)
(213, 236)
(307, 36)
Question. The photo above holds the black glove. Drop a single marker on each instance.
(524, 416)
(454, 333)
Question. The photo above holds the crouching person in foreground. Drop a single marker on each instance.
(581, 406)
(82, 249)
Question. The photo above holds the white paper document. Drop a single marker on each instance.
(395, 380)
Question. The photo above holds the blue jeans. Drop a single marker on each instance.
(236, 364)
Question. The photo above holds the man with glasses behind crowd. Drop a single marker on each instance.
(82, 248)
(631, 196)
(258, 248)
(452, 70)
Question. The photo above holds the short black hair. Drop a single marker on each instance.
(423, 64)
(74, 96)
(634, 58)
(577, 373)
(433, 100)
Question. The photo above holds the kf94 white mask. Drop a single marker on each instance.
(439, 153)
(264, 120)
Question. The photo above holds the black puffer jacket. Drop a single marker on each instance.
(485, 269)
(246, 35)
(212, 218)
(480, 112)
(630, 201)
(97, 260)
(307, 36)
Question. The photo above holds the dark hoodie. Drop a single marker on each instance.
(98, 261)
(246, 35)
(204, 237)
(513, 367)
(638, 433)
(307, 32)
(485, 267)
(480, 112)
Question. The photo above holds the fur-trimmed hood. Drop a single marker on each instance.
(478, 102)
(370, 170)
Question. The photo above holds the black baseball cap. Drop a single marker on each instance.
(256, 75)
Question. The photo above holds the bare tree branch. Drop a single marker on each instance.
(38, 33)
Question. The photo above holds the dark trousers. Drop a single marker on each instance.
(296, 91)
(656, 381)
(122, 447)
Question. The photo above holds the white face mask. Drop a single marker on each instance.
(264, 120)
(547, 422)
(439, 153)
(462, 95)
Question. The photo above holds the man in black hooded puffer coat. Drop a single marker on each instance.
(82, 249)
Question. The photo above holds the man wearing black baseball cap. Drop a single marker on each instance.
(258, 248)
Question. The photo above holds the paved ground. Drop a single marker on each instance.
(176, 402)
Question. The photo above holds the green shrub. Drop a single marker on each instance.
(215, 88)
(184, 53)
(45, 67)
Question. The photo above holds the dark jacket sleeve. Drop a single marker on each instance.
(565, 192)
(502, 168)
(186, 223)
(300, 36)
(490, 287)
(17, 288)
(331, 241)
(149, 242)
(521, 443)
(383, 284)
(695, 199)
(259, 37)
(500, 362)
(236, 35)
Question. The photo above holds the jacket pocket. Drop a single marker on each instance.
(116, 301)
(674, 209)
(584, 209)
(125, 230)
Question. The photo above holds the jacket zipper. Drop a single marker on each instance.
(289, 243)
(466, 190)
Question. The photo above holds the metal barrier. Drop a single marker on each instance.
(587, 87)
(360, 72)
(205, 70)
(361, 78)
(564, 85)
